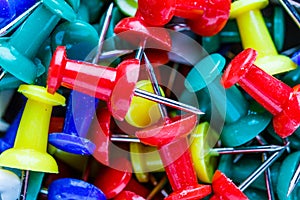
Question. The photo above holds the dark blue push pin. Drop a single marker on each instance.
(78, 118)
(11, 9)
(7, 141)
(69, 188)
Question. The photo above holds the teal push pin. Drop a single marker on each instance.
(17, 53)
(241, 125)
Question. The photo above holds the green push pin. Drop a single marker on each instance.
(17, 53)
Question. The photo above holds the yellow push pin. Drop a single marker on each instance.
(145, 159)
(30, 148)
(254, 34)
(142, 112)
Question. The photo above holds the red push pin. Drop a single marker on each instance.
(277, 97)
(116, 86)
(205, 18)
(170, 138)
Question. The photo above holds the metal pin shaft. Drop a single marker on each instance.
(167, 102)
(2, 73)
(250, 149)
(25, 181)
(103, 32)
(252, 177)
(154, 82)
(124, 138)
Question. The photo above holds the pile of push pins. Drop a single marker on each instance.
(149, 99)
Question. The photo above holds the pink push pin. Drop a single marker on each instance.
(277, 97)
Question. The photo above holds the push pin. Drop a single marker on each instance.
(170, 138)
(294, 181)
(113, 180)
(31, 140)
(128, 195)
(230, 104)
(17, 57)
(78, 118)
(104, 83)
(230, 33)
(204, 157)
(70, 188)
(254, 34)
(10, 185)
(219, 180)
(13, 12)
(282, 102)
(81, 107)
(199, 15)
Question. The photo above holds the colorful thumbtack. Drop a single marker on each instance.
(16, 20)
(31, 140)
(70, 188)
(112, 180)
(144, 159)
(204, 157)
(282, 102)
(17, 57)
(230, 33)
(10, 185)
(231, 104)
(103, 82)
(79, 114)
(224, 188)
(143, 113)
(199, 14)
(254, 34)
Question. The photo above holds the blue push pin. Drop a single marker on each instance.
(78, 118)
(18, 52)
(11, 9)
(80, 110)
(69, 188)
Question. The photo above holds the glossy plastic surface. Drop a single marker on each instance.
(204, 163)
(274, 95)
(70, 188)
(224, 188)
(98, 81)
(32, 136)
(112, 181)
(254, 34)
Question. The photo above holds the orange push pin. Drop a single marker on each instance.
(254, 34)
(30, 147)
